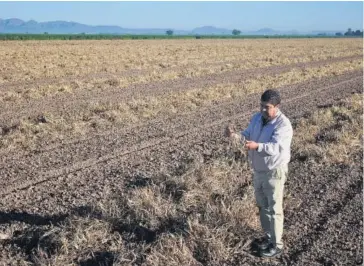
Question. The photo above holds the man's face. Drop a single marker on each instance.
(268, 110)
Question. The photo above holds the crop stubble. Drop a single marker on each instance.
(54, 179)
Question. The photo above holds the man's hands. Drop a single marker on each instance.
(251, 145)
(230, 132)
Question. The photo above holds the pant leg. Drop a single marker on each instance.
(262, 202)
(273, 189)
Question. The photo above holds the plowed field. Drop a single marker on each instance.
(112, 152)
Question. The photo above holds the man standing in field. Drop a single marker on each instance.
(269, 137)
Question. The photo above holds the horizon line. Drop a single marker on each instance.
(179, 29)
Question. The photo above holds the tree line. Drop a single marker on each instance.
(351, 33)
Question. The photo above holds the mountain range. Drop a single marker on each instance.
(15, 25)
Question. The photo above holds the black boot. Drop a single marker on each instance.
(271, 251)
(262, 243)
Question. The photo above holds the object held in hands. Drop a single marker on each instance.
(230, 130)
(242, 139)
(236, 141)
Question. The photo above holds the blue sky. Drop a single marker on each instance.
(301, 16)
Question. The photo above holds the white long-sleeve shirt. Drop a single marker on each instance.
(274, 141)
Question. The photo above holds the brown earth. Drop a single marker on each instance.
(65, 104)
(45, 186)
(92, 151)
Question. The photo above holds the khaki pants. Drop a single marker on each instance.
(268, 189)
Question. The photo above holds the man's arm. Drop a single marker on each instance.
(247, 132)
(280, 139)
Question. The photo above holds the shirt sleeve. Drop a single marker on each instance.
(280, 140)
(247, 132)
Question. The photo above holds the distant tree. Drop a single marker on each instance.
(349, 32)
(236, 32)
(45, 33)
(357, 33)
(169, 32)
(338, 34)
(353, 33)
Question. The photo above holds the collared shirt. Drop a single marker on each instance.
(274, 142)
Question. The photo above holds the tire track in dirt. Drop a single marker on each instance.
(126, 73)
(151, 125)
(335, 190)
(149, 135)
(208, 138)
(102, 75)
(346, 232)
(323, 226)
(70, 105)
